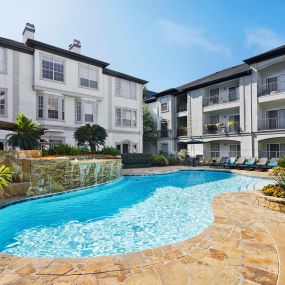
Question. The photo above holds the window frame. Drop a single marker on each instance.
(5, 115)
(54, 57)
(167, 107)
(164, 144)
(120, 89)
(123, 117)
(89, 67)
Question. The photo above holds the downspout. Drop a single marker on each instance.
(251, 132)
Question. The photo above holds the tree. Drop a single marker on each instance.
(149, 126)
(5, 176)
(94, 135)
(27, 134)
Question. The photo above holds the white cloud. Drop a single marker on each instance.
(263, 38)
(187, 36)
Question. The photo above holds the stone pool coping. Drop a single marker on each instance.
(242, 246)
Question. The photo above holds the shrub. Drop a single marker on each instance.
(281, 162)
(110, 150)
(5, 176)
(274, 190)
(65, 149)
(172, 160)
(278, 169)
(182, 153)
(159, 160)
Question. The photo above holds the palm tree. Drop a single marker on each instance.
(94, 135)
(27, 134)
(5, 176)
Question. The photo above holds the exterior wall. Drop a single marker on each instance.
(23, 82)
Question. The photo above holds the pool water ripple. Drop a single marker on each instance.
(132, 214)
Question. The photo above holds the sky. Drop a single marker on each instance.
(166, 42)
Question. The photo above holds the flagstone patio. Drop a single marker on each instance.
(244, 245)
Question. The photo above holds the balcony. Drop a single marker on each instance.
(181, 108)
(271, 88)
(164, 133)
(271, 154)
(182, 131)
(216, 129)
(271, 123)
(226, 97)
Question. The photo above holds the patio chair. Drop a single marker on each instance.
(239, 162)
(188, 160)
(272, 163)
(261, 163)
(249, 164)
(230, 162)
(223, 161)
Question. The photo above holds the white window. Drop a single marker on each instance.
(164, 147)
(78, 111)
(233, 94)
(2, 60)
(126, 117)
(52, 68)
(88, 76)
(215, 150)
(125, 88)
(164, 107)
(214, 96)
(88, 110)
(50, 107)
(234, 150)
(3, 102)
(53, 107)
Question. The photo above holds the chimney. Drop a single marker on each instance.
(75, 46)
(28, 32)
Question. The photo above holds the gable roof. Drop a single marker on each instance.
(149, 96)
(66, 53)
(217, 77)
(266, 55)
(14, 45)
(114, 73)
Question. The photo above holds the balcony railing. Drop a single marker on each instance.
(164, 133)
(271, 154)
(271, 123)
(271, 88)
(225, 97)
(181, 108)
(182, 132)
(218, 154)
(223, 130)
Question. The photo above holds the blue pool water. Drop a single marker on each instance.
(134, 213)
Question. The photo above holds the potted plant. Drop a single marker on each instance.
(231, 123)
(211, 127)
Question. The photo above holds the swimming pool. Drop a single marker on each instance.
(131, 214)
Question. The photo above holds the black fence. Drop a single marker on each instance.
(136, 160)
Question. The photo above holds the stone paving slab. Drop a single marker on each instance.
(244, 245)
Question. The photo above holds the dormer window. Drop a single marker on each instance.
(52, 68)
(88, 76)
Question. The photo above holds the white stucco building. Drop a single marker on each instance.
(238, 111)
(61, 89)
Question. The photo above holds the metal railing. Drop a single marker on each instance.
(271, 123)
(182, 132)
(164, 133)
(181, 108)
(271, 88)
(221, 98)
(271, 154)
(223, 130)
(218, 154)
